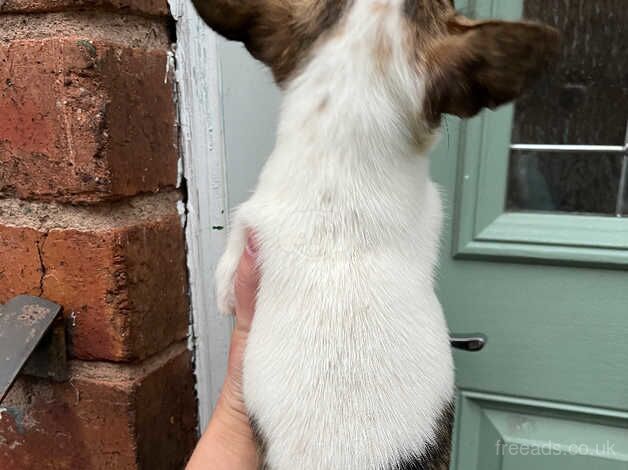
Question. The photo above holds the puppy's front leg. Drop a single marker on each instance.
(228, 265)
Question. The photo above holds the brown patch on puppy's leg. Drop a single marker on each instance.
(438, 453)
(260, 441)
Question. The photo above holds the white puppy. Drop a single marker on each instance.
(348, 365)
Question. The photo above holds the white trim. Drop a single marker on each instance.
(203, 150)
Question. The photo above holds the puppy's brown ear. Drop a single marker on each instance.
(232, 19)
(486, 64)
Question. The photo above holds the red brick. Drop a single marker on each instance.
(107, 417)
(151, 7)
(20, 267)
(118, 270)
(85, 120)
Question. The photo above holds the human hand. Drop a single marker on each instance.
(246, 281)
(229, 442)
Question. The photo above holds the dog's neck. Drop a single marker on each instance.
(347, 147)
(339, 108)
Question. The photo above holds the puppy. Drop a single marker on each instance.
(348, 365)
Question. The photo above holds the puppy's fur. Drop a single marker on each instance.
(348, 365)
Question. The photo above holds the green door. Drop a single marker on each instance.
(535, 254)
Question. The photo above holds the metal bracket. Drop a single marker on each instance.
(32, 340)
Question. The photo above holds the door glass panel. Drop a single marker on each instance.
(582, 102)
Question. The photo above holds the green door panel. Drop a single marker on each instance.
(515, 434)
(550, 291)
(554, 333)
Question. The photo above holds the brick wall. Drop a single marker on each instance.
(88, 219)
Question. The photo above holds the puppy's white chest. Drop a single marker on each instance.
(348, 363)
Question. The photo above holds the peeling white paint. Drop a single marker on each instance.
(182, 213)
(180, 172)
(170, 65)
(197, 74)
(191, 339)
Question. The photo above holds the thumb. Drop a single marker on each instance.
(246, 282)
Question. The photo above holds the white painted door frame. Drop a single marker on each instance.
(204, 169)
(228, 108)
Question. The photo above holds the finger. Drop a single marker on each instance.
(246, 281)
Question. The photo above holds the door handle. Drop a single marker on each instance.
(470, 342)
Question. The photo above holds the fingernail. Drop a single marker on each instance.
(251, 246)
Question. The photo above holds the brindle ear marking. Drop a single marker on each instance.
(279, 33)
(486, 64)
